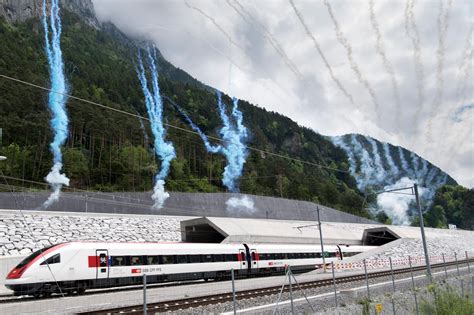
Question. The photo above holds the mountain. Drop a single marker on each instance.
(379, 166)
(109, 151)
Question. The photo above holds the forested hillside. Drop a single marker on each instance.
(109, 151)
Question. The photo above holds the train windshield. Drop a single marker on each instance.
(27, 260)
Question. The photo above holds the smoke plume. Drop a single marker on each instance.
(240, 204)
(164, 150)
(354, 66)
(234, 137)
(321, 54)
(386, 63)
(396, 206)
(57, 99)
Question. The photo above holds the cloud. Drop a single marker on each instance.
(314, 100)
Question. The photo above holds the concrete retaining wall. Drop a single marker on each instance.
(7, 264)
(186, 204)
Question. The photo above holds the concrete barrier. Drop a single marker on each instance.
(6, 264)
(182, 204)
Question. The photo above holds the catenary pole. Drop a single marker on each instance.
(321, 239)
(423, 237)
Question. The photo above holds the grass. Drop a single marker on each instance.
(447, 301)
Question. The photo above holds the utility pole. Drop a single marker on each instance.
(422, 227)
(321, 240)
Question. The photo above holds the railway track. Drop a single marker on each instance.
(9, 298)
(187, 303)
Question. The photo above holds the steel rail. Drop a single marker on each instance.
(182, 304)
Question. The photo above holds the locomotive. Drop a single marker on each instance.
(74, 267)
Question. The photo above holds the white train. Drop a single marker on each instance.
(77, 266)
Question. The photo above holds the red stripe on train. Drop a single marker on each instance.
(94, 261)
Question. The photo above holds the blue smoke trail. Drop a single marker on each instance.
(154, 106)
(57, 99)
(234, 138)
(209, 147)
(458, 113)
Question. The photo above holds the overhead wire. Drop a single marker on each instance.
(262, 151)
(31, 233)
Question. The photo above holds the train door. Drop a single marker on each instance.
(242, 259)
(254, 256)
(102, 266)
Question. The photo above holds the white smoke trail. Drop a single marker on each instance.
(339, 141)
(443, 24)
(403, 161)
(396, 206)
(411, 30)
(367, 167)
(393, 167)
(465, 68)
(387, 64)
(159, 194)
(321, 54)
(434, 171)
(241, 204)
(424, 171)
(380, 173)
(354, 66)
(415, 162)
(249, 18)
(232, 42)
(213, 21)
(56, 180)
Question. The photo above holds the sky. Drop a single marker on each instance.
(399, 71)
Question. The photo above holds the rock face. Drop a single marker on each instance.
(21, 10)
(43, 230)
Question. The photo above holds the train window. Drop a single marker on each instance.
(264, 256)
(230, 257)
(118, 261)
(136, 260)
(194, 258)
(182, 259)
(152, 260)
(280, 256)
(218, 257)
(55, 259)
(206, 258)
(242, 256)
(27, 260)
(350, 254)
(167, 259)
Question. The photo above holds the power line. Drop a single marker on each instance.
(167, 124)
